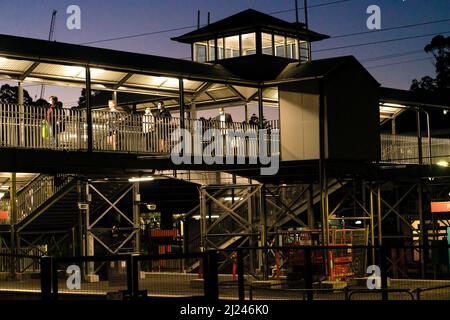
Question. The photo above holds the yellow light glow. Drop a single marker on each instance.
(442, 164)
(95, 72)
(73, 71)
(3, 59)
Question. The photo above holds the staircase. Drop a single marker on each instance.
(273, 222)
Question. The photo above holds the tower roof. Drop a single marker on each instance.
(247, 21)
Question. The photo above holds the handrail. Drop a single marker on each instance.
(408, 291)
(419, 291)
(32, 127)
(38, 192)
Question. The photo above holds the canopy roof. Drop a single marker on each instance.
(249, 21)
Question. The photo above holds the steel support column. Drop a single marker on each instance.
(136, 216)
(21, 113)
(13, 220)
(181, 101)
(260, 108)
(90, 139)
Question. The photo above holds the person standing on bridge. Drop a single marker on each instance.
(53, 113)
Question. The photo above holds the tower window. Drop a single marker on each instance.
(200, 51)
(280, 46)
(266, 42)
(248, 41)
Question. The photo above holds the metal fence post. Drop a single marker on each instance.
(54, 278)
(132, 277)
(384, 278)
(240, 273)
(211, 276)
(308, 273)
(46, 278)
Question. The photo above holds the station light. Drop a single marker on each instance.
(232, 198)
(445, 112)
(4, 187)
(140, 179)
(358, 222)
(442, 163)
(198, 217)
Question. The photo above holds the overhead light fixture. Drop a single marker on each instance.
(442, 163)
(96, 72)
(445, 112)
(394, 105)
(140, 179)
(358, 222)
(232, 198)
(198, 217)
(4, 187)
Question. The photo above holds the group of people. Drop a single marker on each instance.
(52, 125)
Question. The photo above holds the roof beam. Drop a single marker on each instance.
(236, 92)
(29, 71)
(123, 80)
(202, 89)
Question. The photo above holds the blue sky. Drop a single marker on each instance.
(103, 19)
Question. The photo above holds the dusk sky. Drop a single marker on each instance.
(109, 19)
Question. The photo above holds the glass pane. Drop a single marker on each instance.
(220, 49)
(232, 47)
(280, 49)
(266, 41)
(292, 51)
(304, 52)
(200, 49)
(212, 51)
(248, 44)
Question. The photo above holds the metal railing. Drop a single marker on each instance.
(404, 149)
(32, 127)
(38, 192)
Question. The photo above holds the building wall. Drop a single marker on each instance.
(352, 115)
(299, 121)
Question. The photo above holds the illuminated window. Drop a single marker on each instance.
(280, 46)
(232, 47)
(291, 48)
(266, 42)
(220, 49)
(248, 44)
(304, 51)
(200, 51)
(212, 50)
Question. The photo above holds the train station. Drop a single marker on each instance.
(150, 188)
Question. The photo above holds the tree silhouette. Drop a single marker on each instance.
(10, 94)
(439, 47)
